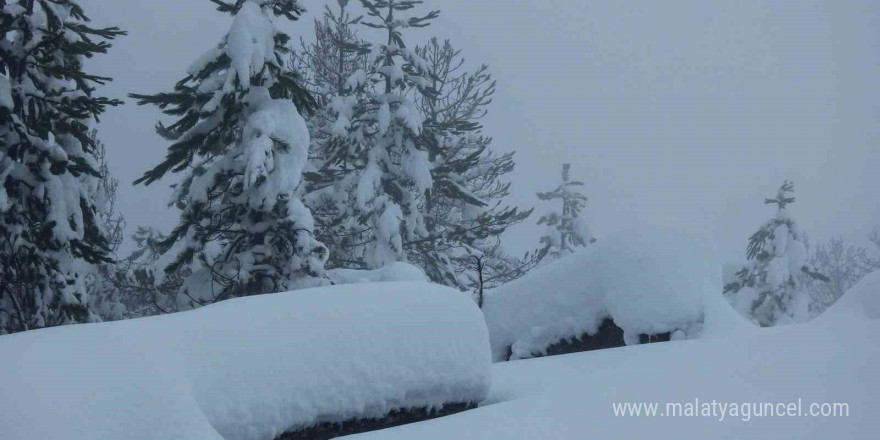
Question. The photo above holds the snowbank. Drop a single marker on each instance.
(860, 301)
(394, 271)
(572, 397)
(649, 281)
(247, 369)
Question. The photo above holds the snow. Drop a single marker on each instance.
(651, 280)
(860, 301)
(274, 121)
(6, 94)
(572, 396)
(250, 43)
(384, 117)
(368, 183)
(389, 243)
(418, 166)
(393, 271)
(357, 80)
(248, 368)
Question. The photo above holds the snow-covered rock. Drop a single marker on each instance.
(249, 368)
(393, 271)
(649, 281)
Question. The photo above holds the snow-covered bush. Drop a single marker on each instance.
(649, 281)
(249, 368)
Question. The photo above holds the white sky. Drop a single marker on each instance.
(690, 111)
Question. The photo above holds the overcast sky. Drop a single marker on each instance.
(684, 111)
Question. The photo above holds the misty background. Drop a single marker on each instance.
(691, 111)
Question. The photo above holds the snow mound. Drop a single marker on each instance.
(573, 397)
(249, 368)
(649, 280)
(860, 301)
(394, 271)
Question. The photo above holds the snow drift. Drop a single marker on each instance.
(860, 301)
(249, 368)
(649, 281)
(572, 397)
(394, 271)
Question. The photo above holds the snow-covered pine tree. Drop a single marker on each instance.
(464, 215)
(146, 288)
(350, 81)
(326, 65)
(378, 133)
(50, 236)
(567, 231)
(397, 174)
(769, 290)
(105, 299)
(243, 145)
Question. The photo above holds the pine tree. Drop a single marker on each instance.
(397, 171)
(464, 216)
(373, 170)
(50, 235)
(243, 146)
(326, 64)
(146, 288)
(565, 232)
(770, 288)
(105, 297)
(461, 212)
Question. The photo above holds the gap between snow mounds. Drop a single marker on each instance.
(650, 281)
(249, 368)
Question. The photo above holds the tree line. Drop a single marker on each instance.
(349, 149)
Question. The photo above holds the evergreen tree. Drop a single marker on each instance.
(464, 216)
(565, 232)
(461, 211)
(373, 170)
(769, 289)
(243, 145)
(326, 64)
(396, 174)
(50, 234)
(105, 297)
(146, 288)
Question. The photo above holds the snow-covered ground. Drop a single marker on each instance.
(831, 360)
(394, 271)
(247, 369)
(251, 368)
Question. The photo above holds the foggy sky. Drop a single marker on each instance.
(682, 111)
